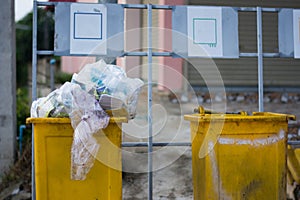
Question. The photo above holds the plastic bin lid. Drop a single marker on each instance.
(207, 115)
(52, 120)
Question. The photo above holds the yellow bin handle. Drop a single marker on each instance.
(288, 116)
(201, 110)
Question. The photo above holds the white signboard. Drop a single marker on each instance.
(88, 29)
(296, 27)
(205, 31)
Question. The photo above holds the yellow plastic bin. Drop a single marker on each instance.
(52, 141)
(242, 157)
(293, 163)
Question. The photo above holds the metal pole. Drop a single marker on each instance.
(52, 62)
(260, 60)
(150, 148)
(34, 95)
(156, 144)
(34, 49)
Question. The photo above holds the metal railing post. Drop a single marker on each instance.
(34, 89)
(52, 72)
(260, 60)
(150, 147)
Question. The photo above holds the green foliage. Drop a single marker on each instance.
(23, 109)
(23, 49)
(45, 41)
(62, 77)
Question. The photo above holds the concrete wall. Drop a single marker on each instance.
(132, 42)
(170, 72)
(7, 85)
(71, 64)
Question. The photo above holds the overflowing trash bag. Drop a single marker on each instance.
(110, 85)
(96, 88)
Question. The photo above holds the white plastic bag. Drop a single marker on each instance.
(111, 81)
(87, 117)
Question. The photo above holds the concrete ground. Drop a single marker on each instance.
(172, 178)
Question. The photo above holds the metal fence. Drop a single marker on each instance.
(149, 53)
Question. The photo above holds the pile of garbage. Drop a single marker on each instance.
(96, 88)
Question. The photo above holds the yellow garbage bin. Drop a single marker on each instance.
(239, 156)
(52, 141)
(293, 163)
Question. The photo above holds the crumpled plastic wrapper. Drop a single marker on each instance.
(87, 117)
(57, 104)
(111, 85)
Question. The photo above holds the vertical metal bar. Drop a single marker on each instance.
(52, 63)
(184, 82)
(34, 50)
(150, 142)
(260, 60)
(34, 90)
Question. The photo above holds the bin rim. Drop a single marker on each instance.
(65, 120)
(256, 116)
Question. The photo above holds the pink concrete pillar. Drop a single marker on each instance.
(132, 42)
(170, 72)
(72, 64)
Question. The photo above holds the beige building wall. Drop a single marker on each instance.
(132, 39)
